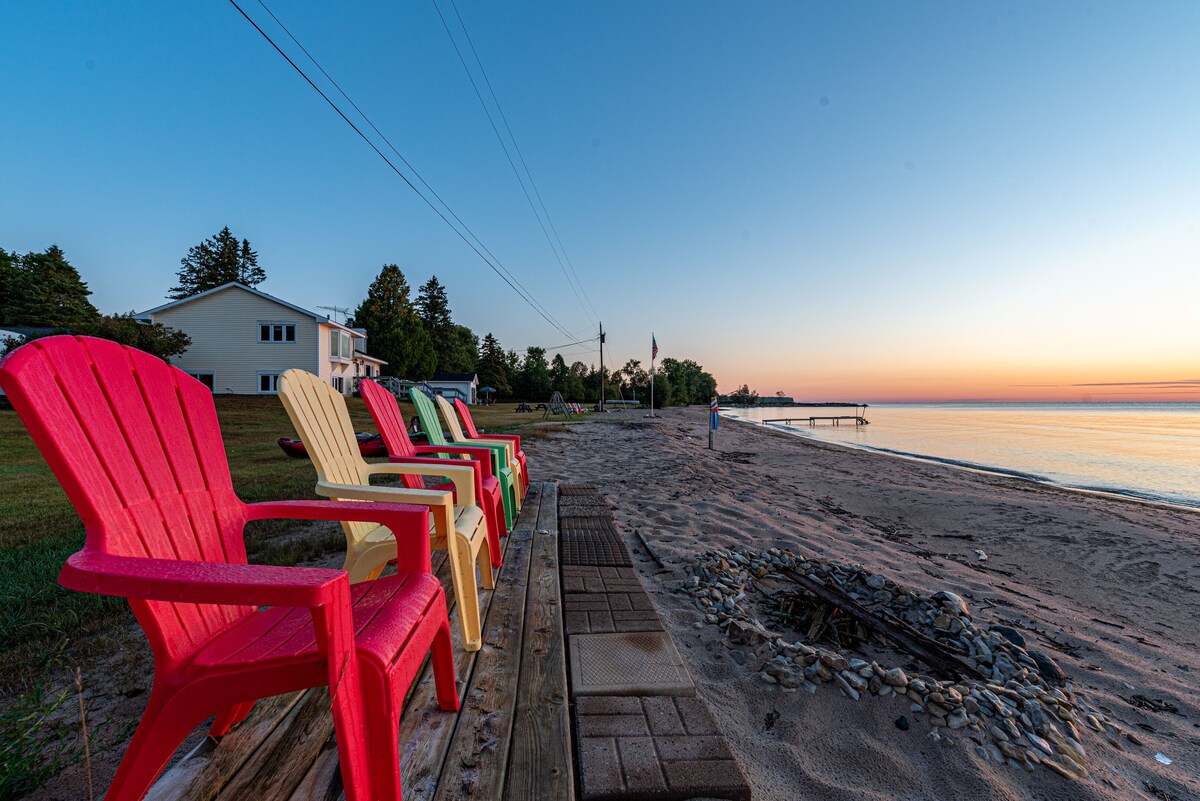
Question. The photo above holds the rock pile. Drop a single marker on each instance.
(1022, 714)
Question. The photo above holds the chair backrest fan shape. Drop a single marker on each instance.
(322, 420)
(386, 412)
(136, 445)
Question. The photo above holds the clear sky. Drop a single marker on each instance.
(863, 201)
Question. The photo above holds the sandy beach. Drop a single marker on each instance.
(1108, 587)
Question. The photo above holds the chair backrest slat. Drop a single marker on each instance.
(385, 411)
(468, 422)
(136, 446)
(429, 418)
(456, 432)
(321, 418)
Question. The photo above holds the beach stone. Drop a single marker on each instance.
(738, 656)
(845, 688)
(952, 601)
(896, 678)
(902, 723)
(876, 582)
(1048, 668)
(1010, 634)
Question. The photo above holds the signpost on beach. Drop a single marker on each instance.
(713, 420)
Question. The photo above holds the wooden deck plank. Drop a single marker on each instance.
(425, 738)
(203, 772)
(539, 764)
(475, 763)
(278, 765)
(286, 749)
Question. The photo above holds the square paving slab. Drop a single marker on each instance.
(628, 663)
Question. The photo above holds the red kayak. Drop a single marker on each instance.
(368, 445)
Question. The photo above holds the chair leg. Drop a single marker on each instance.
(229, 718)
(442, 656)
(493, 536)
(163, 727)
(483, 560)
(382, 719)
(466, 593)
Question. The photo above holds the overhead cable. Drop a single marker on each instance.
(504, 146)
(478, 251)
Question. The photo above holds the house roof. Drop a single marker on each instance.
(320, 318)
(456, 377)
(366, 357)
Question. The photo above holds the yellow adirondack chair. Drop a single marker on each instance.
(457, 435)
(319, 414)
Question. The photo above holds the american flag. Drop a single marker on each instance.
(653, 347)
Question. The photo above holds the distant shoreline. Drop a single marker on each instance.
(1033, 478)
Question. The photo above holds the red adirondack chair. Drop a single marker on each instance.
(136, 446)
(464, 413)
(385, 411)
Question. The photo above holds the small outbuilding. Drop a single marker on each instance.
(464, 386)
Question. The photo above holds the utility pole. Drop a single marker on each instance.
(602, 388)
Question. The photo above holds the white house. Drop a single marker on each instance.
(464, 386)
(242, 339)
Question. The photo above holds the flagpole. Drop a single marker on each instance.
(652, 374)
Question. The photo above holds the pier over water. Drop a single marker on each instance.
(858, 418)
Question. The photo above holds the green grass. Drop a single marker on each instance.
(43, 625)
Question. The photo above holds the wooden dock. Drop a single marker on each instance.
(510, 740)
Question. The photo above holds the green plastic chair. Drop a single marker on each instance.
(432, 427)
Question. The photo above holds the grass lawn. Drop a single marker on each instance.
(43, 625)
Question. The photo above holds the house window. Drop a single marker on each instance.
(369, 371)
(340, 346)
(339, 384)
(270, 331)
(206, 379)
(268, 383)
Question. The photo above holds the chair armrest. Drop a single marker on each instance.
(407, 521)
(515, 439)
(509, 451)
(482, 455)
(358, 492)
(202, 582)
(461, 475)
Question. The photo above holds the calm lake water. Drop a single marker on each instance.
(1145, 450)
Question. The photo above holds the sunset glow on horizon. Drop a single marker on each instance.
(881, 202)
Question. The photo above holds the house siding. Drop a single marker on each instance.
(224, 331)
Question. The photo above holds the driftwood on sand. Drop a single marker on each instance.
(937, 655)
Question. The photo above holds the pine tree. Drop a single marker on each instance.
(492, 366)
(49, 292)
(9, 283)
(433, 307)
(217, 260)
(394, 331)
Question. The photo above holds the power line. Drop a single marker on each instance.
(507, 155)
(528, 298)
(521, 156)
(569, 344)
(400, 155)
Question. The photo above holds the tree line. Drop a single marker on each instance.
(45, 292)
(416, 335)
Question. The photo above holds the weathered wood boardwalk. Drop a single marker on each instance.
(510, 740)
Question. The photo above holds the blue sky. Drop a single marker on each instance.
(876, 200)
